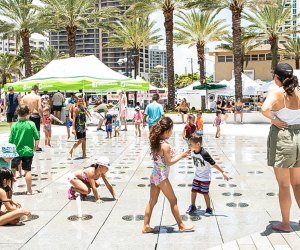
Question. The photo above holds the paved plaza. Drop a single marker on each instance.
(243, 207)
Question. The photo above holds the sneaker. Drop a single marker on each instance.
(71, 194)
(39, 149)
(191, 209)
(83, 197)
(208, 211)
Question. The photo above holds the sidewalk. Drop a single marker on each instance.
(243, 207)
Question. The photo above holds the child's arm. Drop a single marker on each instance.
(109, 187)
(75, 112)
(214, 124)
(56, 119)
(169, 160)
(184, 134)
(220, 169)
(94, 188)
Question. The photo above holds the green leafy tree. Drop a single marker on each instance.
(269, 23)
(135, 34)
(292, 47)
(168, 7)
(20, 18)
(197, 28)
(9, 66)
(74, 15)
(249, 43)
(184, 80)
(236, 7)
(42, 57)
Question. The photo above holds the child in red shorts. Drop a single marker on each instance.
(203, 163)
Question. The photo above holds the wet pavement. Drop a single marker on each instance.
(243, 207)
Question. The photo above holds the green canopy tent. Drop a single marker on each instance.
(71, 74)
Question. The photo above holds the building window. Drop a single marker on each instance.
(221, 58)
(262, 57)
(269, 57)
(229, 58)
(254, 57)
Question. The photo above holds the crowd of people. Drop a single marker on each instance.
(281, 107)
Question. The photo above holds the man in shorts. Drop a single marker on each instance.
(34, 102)
(23, 134)
(11, 102)
(58, 100)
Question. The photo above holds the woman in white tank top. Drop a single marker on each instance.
(282, 107)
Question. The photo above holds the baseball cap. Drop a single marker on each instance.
(10, 88)
(283, 70)
(137, 108)
(103, 161)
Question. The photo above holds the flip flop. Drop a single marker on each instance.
(188, 230)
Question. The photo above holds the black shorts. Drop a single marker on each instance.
(26, 162)
(37, 121)
(223, 111)
(183, 112)
(11, 117)
(56, 108)
(80, 135)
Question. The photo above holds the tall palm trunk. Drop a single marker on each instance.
(136, 60)
(168, 14)
(201, 61)
(237, 49)
(71, 31)
(274, 50)
(27, 53)
(4, 80)
(297, 58)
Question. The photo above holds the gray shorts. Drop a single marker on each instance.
(284, 147)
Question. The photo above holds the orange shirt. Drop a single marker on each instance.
(199, 123)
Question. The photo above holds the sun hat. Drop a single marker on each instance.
(8, 150)
(103, 161)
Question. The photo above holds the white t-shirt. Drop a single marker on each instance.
(203, 163)
(58, 99)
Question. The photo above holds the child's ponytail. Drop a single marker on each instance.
(163, 125)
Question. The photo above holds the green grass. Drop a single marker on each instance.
(4, 127)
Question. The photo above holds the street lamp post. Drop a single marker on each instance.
(191, 68)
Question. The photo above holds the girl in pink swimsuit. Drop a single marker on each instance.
(47, 120)
(85, 180)
(163, 158)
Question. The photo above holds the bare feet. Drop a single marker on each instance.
(186, 228)
(70, 156)
(281, 227)
(149, 229)
(84, 157)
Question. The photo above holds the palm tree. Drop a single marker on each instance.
(9, 66)
(134, 34)
(249, 42)
(168, 7)
(197, 28)
(292, 47)
(236, 7)
(19, 18)
(269, 23)
(73, 15)
(42, 57)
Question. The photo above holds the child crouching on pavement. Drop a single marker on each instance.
(85, 180)
(203, 163)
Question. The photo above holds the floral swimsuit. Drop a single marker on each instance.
(160, 170)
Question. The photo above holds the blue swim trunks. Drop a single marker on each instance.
(109, 128)
(69, 124)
